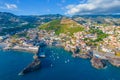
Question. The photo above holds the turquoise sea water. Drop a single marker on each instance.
(58, 65)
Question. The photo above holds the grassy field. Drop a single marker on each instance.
(56, 25)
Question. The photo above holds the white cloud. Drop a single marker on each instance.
(11, 6)
(95, 7)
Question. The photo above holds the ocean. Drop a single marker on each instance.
(58, 65)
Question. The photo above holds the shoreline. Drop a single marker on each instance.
(33, 50)
(115, 61)
(28, 49)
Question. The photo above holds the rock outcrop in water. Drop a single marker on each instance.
(98, 63)
(35, 65)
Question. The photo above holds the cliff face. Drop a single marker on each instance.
(98, 63)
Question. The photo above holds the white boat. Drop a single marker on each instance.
(42, 55)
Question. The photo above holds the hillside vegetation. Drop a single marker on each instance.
(66, 26)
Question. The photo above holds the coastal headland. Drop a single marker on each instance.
(95, 42)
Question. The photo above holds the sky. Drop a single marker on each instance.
(64, 7)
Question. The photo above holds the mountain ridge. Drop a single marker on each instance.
(10, 23)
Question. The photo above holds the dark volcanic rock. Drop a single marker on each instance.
(85, 56)
(35, 65)
(98, 63)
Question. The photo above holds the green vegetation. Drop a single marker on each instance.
(61, 28)
(24, 34)
(15, 36)
(53, 25)
(100, 36)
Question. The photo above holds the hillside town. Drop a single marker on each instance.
(95, 42)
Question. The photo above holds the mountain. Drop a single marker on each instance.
(10, 23)
(64, 25)
(40, 19)
(98, 19)
(8, 20)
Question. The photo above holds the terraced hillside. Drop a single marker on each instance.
(65, 25)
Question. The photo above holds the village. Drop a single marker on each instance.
(84, 44)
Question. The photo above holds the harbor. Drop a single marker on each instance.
(53, 67)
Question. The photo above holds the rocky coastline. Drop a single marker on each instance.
(98, 63)
(35, 65)
(95, 57)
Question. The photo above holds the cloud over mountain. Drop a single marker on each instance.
(10, 6)
(94, 7)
